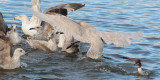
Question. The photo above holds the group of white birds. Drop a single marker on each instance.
(45, 28)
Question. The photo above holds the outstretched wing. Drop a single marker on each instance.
(120, 39)
(62, 23)
(64, 9)
(117, 38)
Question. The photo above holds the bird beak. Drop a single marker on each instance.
(135, 63)
(31, 28)
(16, 18)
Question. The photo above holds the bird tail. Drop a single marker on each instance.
(120, 39)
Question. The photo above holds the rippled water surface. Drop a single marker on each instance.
(105, 15)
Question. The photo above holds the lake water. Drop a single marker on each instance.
(104, 15)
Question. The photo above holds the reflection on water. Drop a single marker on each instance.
(117, 63)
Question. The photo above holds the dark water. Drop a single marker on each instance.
(117, 63)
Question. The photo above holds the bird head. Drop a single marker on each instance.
(22, 18)
(18, 52)
(138, 63)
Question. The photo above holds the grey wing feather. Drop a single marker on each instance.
(120, 39)
(64, 9)
(62, 23)
(3, 25)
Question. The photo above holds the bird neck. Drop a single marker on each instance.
(15, 58)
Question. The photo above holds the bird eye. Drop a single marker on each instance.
(38, 27)
(21, 51)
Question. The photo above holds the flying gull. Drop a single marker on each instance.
(86, 33)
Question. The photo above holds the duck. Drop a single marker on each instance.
(138, 63)
(14, 35)
(84, 32)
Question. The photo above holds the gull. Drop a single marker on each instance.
(13, 35)
(33, 22)
(9, 60)
(49, 45)
(3, 25)
(86, 33)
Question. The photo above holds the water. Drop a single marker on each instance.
(117, 63)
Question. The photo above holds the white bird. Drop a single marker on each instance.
(9, 60)
(33, 22)
(86, 33)
(49, 45)
(14, 35)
